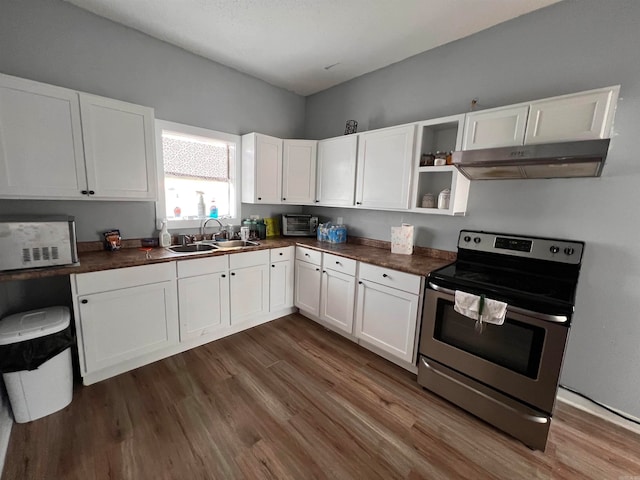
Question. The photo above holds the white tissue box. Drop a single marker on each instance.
(402, 239)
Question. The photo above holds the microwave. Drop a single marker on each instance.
(39, 241)
(298, 225)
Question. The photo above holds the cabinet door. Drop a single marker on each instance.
(249, 293)
(387, 318)
(498, 127)
(268, 168)
(384, 168)
(203, 305)
(299, 171)
(124, 324)
(337, 299)
(307, 288)
(581, 116)
(41, 152)
(336, 182)
(280, 285)
(119, 148)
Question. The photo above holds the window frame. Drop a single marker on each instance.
(234, 173)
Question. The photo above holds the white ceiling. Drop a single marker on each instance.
(309, 45)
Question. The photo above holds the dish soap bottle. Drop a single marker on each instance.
(164, 239)
(201, 206)
(213, 209)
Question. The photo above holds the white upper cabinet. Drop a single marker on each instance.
(498, 127)
(58, 143)
(336, 180)
(580, 116)
(384, 168)
(41, 152)
(299, 171)
(261, 169)
(118, 148)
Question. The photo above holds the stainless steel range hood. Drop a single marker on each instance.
(584, 158)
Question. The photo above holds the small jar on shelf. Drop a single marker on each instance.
(426, 160)
(440, 159)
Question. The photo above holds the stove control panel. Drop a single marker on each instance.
(555, 250)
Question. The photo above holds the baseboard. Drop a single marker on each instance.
(6, 423)
(585, 405)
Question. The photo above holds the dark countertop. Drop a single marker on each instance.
(364, 250)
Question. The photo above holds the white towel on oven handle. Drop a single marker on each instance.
(468, 305)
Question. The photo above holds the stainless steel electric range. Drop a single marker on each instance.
(505, 374)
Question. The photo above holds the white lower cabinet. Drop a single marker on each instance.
(281, 279)
(248, 285)
(337, 299)
(307, 287)
(386, 316)
(203, 297)
(118, 319)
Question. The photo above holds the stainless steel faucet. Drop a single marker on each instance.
(204, 224)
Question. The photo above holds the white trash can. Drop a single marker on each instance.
(37, 393)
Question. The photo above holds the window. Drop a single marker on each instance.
(198, 174)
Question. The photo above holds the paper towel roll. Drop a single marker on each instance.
(402, 239)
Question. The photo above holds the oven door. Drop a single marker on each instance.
(521, 358)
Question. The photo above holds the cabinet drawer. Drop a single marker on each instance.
(118, 278)
(281, 254)
(308, 255)
(202, 266)
(391, 278)
(248, 259)
(339, 264)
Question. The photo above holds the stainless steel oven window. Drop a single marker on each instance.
(513, 345)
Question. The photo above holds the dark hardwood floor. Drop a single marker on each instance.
(291, 400)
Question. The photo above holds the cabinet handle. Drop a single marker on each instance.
(317, 201)
(259, 198)
(317, 269)
(338, 263)
(385, 275)
(84, 192)
(224, 276)
(324, 271)
(358, 203)
(84, 301)
(307, 255)
(91, 192)
(233, 274)
(359, 283)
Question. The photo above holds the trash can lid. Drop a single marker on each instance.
(33, 324)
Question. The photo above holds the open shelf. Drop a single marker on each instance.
(440, 134)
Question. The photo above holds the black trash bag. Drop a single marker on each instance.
(30, 354)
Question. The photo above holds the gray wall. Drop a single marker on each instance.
(55, 42)
(568, 47)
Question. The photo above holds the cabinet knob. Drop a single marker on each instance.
(317, 269)
(358, 203)
(307, 255)
(317, 201)
(385, 275)
(223, 276)
(91, 192)
(84, 301)
(233, 274)
(338, 263)
(273, 266)
(359, 283)
(84, 192)
(284, 199)
(324, 271)
(281, 254)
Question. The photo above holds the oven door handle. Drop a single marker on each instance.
(522, 311)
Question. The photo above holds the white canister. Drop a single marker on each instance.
(428, 201)
(443, 198)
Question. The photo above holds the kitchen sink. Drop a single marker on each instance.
(194, 247)
(210, 245)
(231, 244)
